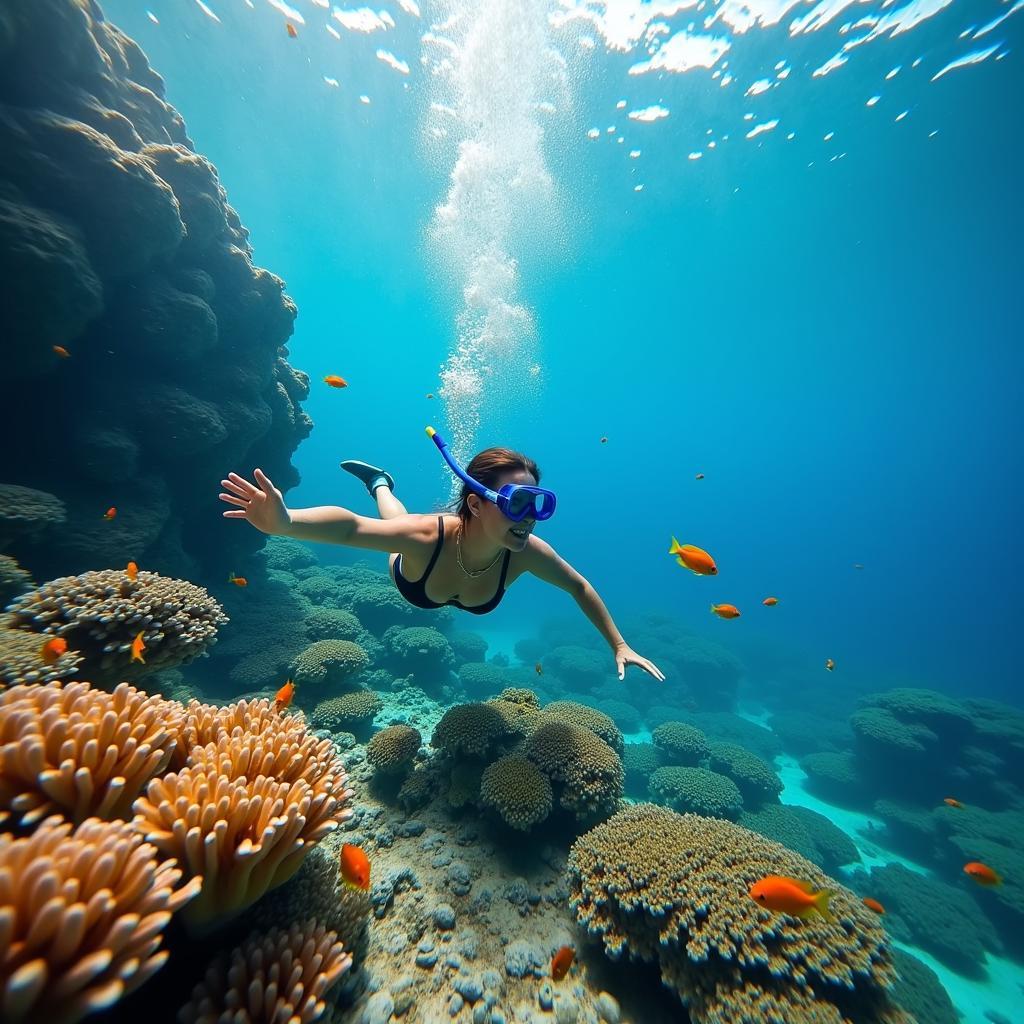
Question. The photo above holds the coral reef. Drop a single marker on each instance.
(421, 648)
(672, 889)
(518, 790)
(681, 743)
(83, 912)
(640, 761)
(393, 750)
(473, 730)
(347, 712)
(279, 976)
(696, 790)
(804, 831)
(755, 778)
(79, 752)
(919, 991)
(100, 613)
(329, 664)
(590, 718)
(21, 661)
(118, 244)
(13, 579)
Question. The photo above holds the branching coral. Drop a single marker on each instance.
(80, 752)
(82, 914)
(696, 790)
(590, 718)
(256, 792)
(279, 976)
(518, 790)
(329, 663)
(672, 889)
(393, 750)
(100, 613)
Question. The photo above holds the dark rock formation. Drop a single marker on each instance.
(118, 245)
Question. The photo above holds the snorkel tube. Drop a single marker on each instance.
(474, 485)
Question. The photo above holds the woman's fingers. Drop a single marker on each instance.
(233, 513)
(239, 483)
(266, 484)
(231, 499)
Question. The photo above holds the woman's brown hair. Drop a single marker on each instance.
(488, 467)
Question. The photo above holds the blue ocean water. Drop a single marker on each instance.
(826, 326)
(772, 243)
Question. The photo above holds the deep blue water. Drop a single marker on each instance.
(837, 347)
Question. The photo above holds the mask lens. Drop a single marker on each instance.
(520, 503)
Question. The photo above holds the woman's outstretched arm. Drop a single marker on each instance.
(546, 564)
(262, 505)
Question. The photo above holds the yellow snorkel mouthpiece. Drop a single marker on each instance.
(431, 431)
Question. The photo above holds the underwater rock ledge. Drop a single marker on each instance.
(143, 350)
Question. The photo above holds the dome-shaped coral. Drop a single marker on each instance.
(329, 663)
(332, 624)
(682, 743)
(347, 711)
(590, 771)
(696, 790)
(473, 730)
(24, 510)
(100, 613)
(393, 750)
(673, 889)
(590, 718)
(420, 648)
(755, 778)
(518, 790)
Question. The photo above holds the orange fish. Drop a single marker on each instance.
(335, 381)
(791, 896)
(952, 802)
(110, 513)
(561, 962)
(291, 29)
(873, 905)
(539, 669)
(283, 697)
(239, 581)
(355, 867)
(695, 559)
(604, 440)
(829, 664)
(137, 648)
(770, 602)
(132, 571)
(61, 351)
(53, 649)
(982, 873)
(699, 476)
(726, 611)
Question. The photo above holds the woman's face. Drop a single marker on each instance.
(494, 524)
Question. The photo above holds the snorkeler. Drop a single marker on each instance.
(467, 560)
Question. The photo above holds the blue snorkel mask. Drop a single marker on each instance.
(515, 501)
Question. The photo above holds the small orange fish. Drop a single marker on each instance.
(874, 905)
(137, 648)
(61, 351)
(699, 476)
(110, 513)
(982, 874)
(539, 669)
(604, 440)
(561, 962)
(53, 649)
(770, 602)
(239, 581)
(292, 30)
(791, 896)
(283, 697)
(829, 664)
(693, 558)
(132, 571)
(355, 867)
(335, 381)
(726, 611)
(952, 802)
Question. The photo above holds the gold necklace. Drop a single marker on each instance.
(458, 556)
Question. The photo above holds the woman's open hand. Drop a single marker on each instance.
(625, 655)
(260, 504)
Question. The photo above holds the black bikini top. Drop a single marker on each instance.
(415, 592)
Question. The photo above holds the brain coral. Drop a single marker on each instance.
(83, 915)
(347, 711)
(80, 752)
(518, 790)
(681, 743)
(590, 718)
(329, 663)
(697, 790)
(99, 614)
(672, 889)
(755, 779)
(393, 750)
(589, 770)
